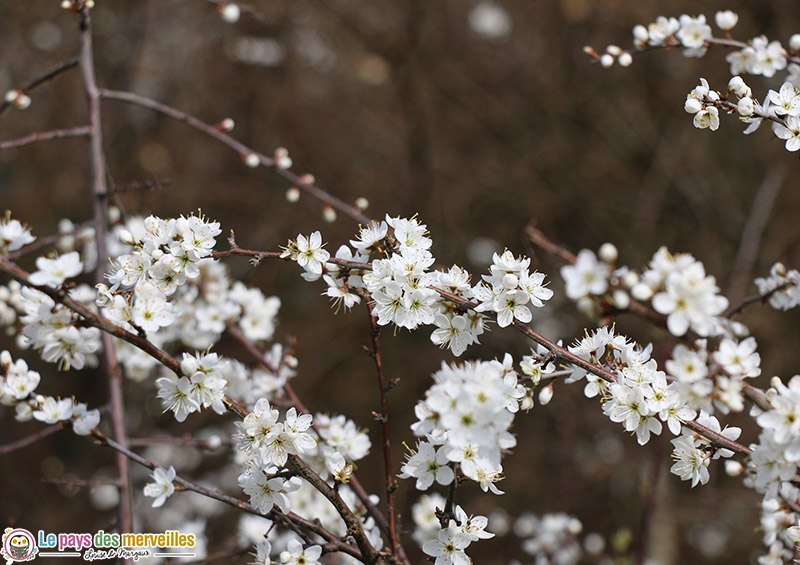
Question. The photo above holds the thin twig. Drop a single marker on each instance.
(753, 229)
(100, 189)
(31, 439)
(243, 150)
(391, 484)
(49, 75)
(152, 184)
(762, 298)
(30, 139)
(216, 494)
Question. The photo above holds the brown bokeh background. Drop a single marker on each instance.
(402, 103)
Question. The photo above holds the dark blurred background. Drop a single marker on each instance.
(479, 124)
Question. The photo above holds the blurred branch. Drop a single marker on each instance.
(100, 189)
(48, 240)
(31, 439)
(49, 75)
(753, 229)
(154, 184)
(243, 150)
(762, 298)
(80, 131)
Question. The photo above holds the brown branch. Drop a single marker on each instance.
(152, 184)
(763, 298)
(100, 189)
(31, 439)
(176, 441)
(243, 150)
(216, 494)
(295, 401)
(391, 484)
(49, 75)
(30, 139)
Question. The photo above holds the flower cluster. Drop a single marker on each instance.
(551, 538)
(465, 418)
(782, 286)
(405, 293)
(202, 385)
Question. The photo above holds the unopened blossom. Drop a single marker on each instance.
(726, 20)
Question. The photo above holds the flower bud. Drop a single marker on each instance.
(251, 160)
(546, 395)
(213, 442)
(607, 60)
(692, 105)
(775, 382)
(641, 291)
(5, 359)
(157, 254)
(738, 87)
(745, 107)
(226, 125)
(733, 468)
(126, 237)
(510, 281)
(293, 194)
(230, 13)
(328, 214)
(621, 299)
(614, 50)
(189, 365)
(608, 253)
(726, 20)
(625, 59)
(640, 35)
(282, 159)
(362, 203)
(630, 279)
(794, 42)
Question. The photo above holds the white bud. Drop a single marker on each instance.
(230, 13)
(189, 365)
(608, 253)
(614, 50)
(307, 178)
(630, 279)
(640, 35)
(745, 107)
(213, 442)
(328, 214)
(362, 203)
(641, 291)
(625, 59)
(510, 281)
(157, 254)
(621, 299)
(546, 395)
(114, 215)
(574, 526)
(23, 101)
(66, 4)
(282, 159)
(794, 42)
(290, 361)
(738, 87)
(252, 160)
(227, 124)
(5, 359)
(733, 468)
(126, 237)
(726, 20)
(775, 382)
(90, 4)
(293, 194)
(692, 105)
(11, 95)
(607, 60)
